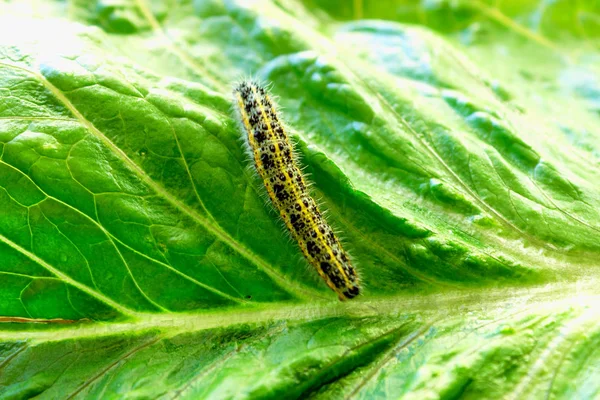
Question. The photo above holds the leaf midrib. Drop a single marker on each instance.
(433, 305)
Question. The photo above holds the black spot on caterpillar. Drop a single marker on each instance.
(274, 160)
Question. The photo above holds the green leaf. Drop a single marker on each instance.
(455, 145)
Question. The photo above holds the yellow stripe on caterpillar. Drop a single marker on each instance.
(274, 160)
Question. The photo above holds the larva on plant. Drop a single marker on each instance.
(276, 164)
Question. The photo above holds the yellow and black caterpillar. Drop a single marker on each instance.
(277, 166)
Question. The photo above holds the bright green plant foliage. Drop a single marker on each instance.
(455, 144)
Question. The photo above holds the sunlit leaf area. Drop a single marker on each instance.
(453, 145)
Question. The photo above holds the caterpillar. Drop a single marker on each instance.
(277, 165)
